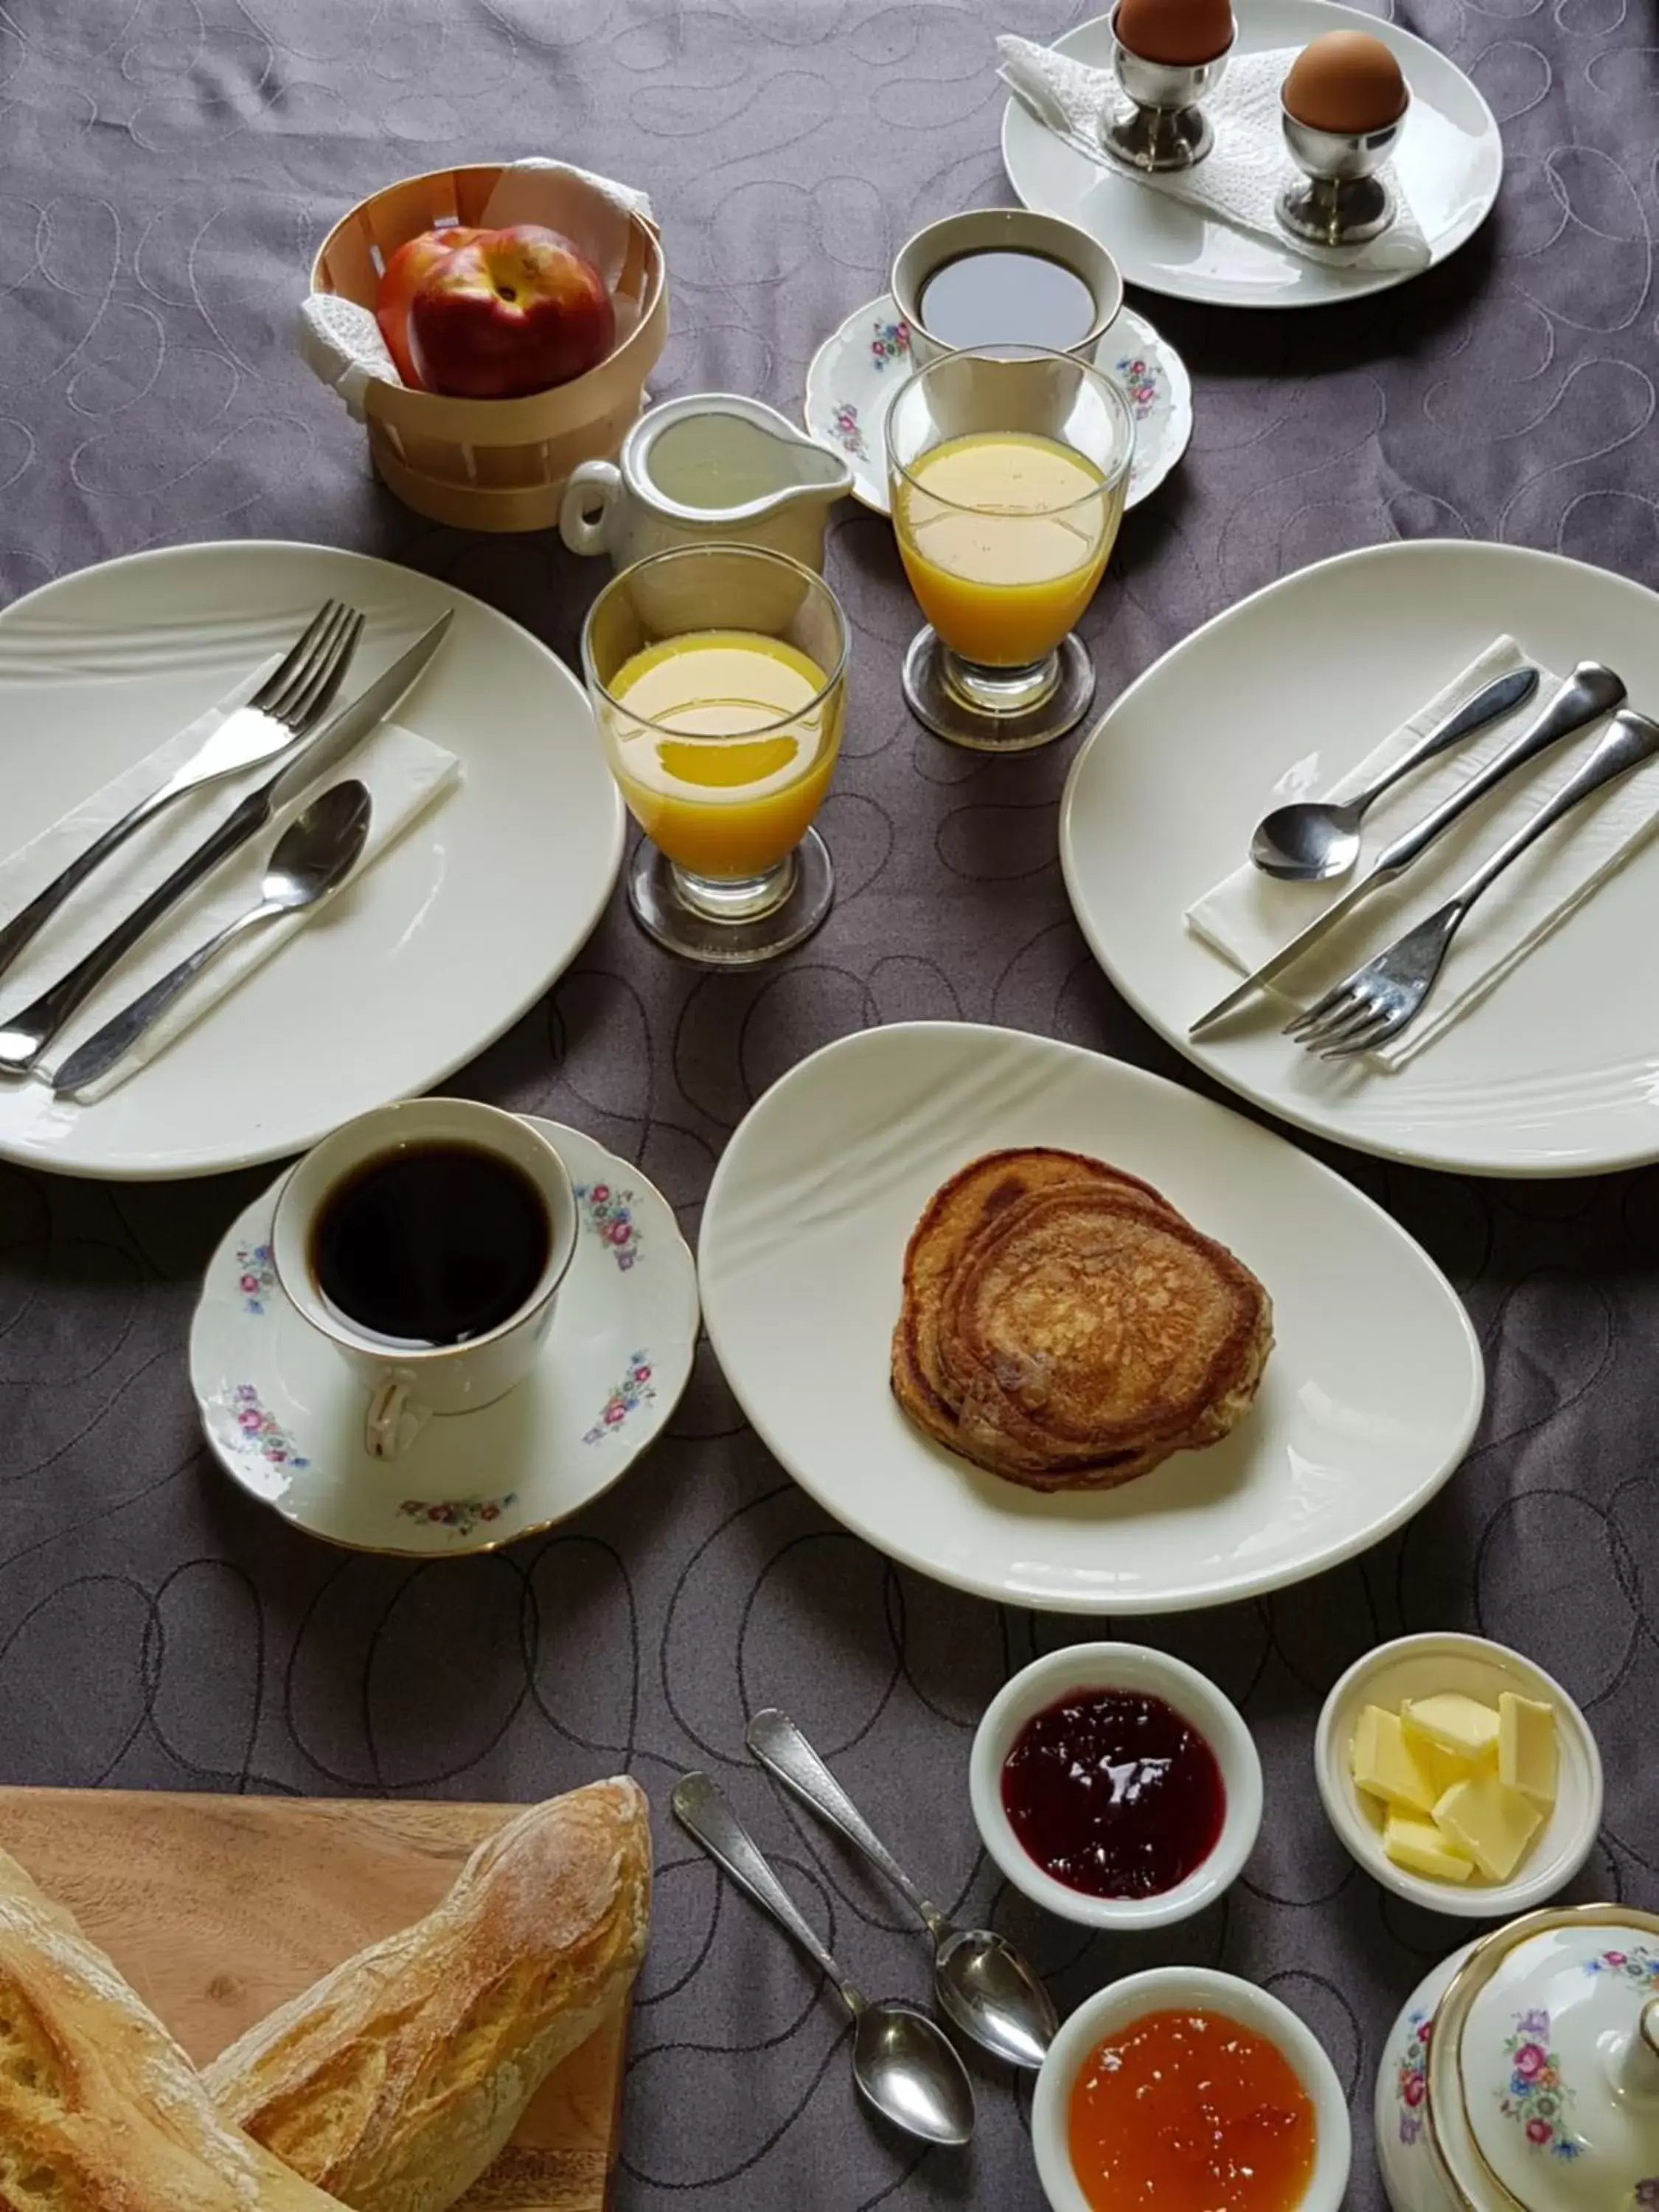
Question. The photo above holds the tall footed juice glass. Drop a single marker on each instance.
(1007, 468)
(718, 677)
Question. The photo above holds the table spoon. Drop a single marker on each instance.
(1312, 839)
(313, 856)
(903, 2065)
(981, 1982)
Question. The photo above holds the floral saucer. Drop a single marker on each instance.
(854, 375)
(284, 1415)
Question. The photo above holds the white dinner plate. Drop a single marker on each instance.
(450, 937)
(803, 1241)
(1558, 1072)
(1449, 158)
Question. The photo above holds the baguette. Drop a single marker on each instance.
(395, 2081)
(99, 2109)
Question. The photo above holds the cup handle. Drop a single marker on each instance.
(591, 482)
(394, 1418)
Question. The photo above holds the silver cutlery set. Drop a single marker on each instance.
(903, 2064)
(291, 718)
(1316, 841)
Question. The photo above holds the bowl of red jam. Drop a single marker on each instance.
(1116, 1786)
(1189, 2090)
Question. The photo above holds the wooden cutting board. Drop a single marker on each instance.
(216, 1909)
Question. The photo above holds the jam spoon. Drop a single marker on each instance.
(901, 2063)
(981, 1982)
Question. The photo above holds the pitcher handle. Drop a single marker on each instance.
(590, 482)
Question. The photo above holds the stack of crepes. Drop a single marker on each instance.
(1064, 1327)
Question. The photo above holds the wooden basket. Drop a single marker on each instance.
(490, 464)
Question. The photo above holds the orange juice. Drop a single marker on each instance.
(1003, 536)
(729, 759)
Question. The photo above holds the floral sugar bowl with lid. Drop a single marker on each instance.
(1523, 2075)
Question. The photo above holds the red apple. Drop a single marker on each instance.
(408, 266)
(515, 310)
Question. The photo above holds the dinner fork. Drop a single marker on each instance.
(1380, 999)
(292, 700)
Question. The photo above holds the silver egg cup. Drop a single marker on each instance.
(1338, 200)
(1165, 128)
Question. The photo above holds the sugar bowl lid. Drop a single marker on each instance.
(1544, 2085)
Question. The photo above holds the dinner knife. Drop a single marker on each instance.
(26, 1035)
(1589, 692)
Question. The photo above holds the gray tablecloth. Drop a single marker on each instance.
(165, 166)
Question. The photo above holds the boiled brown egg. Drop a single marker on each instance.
(1345, 81)
(1178, 33)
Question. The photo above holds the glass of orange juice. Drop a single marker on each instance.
(1007, 467)
(718, 675)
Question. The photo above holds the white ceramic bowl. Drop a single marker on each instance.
(1417, 1667)
(1165, 1989)
(1118, 1667)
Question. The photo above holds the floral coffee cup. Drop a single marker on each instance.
(407, 1387)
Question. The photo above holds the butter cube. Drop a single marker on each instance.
(1384, 1765)
(1489, 1820)
(1526, 1748)
(1454, 1728)
(1419, 1847)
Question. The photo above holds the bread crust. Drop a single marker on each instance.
(395, 2081)
(99, 2109)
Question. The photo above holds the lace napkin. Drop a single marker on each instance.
(1247, 917)
(1240, 179)
(404, 773)
(340, 342)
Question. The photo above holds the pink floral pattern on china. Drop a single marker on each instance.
(891, 342)
(459, 1515)
(1412, 2076)
(635, 1389)
(610, 1214)
(1537, 2098)
(1638, 1965)
(262, 1432)
(1138, 377)
(844, 430)
(256, 1276)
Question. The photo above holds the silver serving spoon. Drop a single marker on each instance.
(313, 856)
(981, 1982)
(1312, 839)
(903, 2065)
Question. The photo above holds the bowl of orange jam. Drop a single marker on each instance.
(1186, 2090)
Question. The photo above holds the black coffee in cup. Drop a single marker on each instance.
(430, 1245)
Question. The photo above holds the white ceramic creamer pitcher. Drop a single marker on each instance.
(712, 466)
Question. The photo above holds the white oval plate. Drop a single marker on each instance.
(1558, 1072)
(1449, 158)
(855, 373)
(803, 1241)
(284, 1414)
(453, 933)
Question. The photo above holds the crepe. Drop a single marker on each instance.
(1063, 1326)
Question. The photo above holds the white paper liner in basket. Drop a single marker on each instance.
(340, 341)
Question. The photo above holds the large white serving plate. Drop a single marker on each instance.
(1370, 1399)
(1449, 158)
(1558, 1072)
(451, 936)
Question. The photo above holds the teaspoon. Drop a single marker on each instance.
(313, 856)
(982, 1983)
(1312, 839)
(901, 2062)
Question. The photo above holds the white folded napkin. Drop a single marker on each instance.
(1240, 179)
(340, 341)
(404, 775)
(1247, 917)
